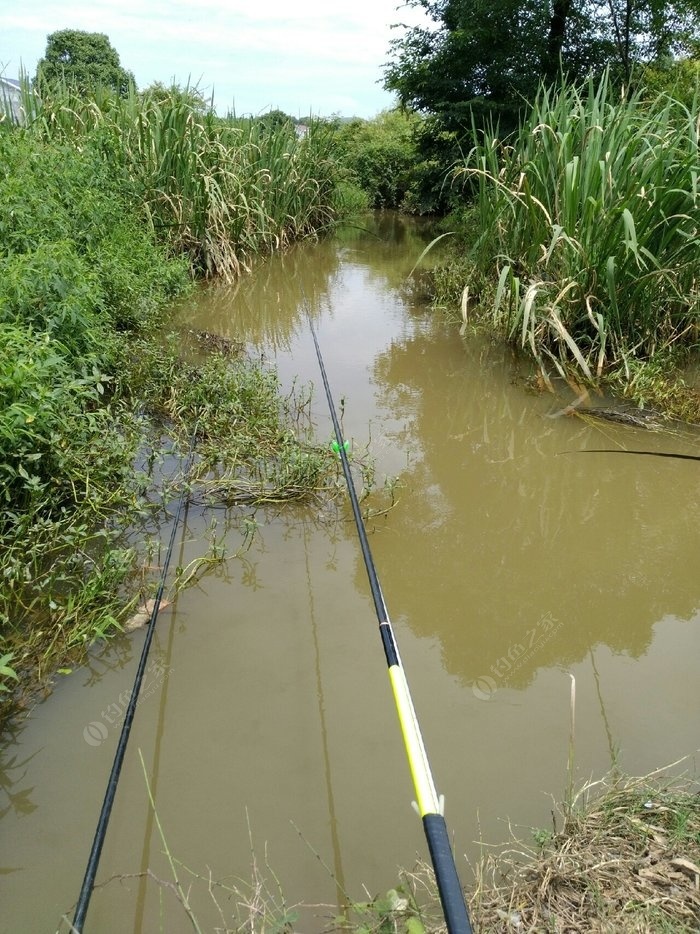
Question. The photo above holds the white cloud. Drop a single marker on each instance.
(305, 53)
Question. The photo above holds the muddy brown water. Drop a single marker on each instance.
(267, 726)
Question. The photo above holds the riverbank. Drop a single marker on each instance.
(624, 857)
(100, 400)
(578, 242)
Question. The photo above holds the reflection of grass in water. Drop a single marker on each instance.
(268, 308)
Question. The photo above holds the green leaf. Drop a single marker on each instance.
(5, 670)
(414, 926)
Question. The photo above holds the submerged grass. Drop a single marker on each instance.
(254, 445)
(70, 576)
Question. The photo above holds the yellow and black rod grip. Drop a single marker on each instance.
(449, 887)
(426, 795)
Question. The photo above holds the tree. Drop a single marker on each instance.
(381, 155)
(275, 119)
(85, 60)
(652, 32)
(491, 55)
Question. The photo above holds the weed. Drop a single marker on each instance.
(626, 859)
(584, 233)
(89, 385)
(219, 192)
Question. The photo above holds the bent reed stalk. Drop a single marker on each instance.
(588, 228)
(220, 191)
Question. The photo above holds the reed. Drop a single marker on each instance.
(217, 191)
(587, 228)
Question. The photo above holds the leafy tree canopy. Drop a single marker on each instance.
(381, 156)
(492, 54)
(83, 59)
(276, 118)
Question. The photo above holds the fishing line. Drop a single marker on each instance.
(429, 805)
(101, 830)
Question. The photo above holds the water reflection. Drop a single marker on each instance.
(268, 309)
(514, 557)
(16, 796)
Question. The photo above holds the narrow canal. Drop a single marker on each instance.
(267, 727)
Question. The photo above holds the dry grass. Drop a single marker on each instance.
(627, 858)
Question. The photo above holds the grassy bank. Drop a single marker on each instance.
(625, 857)
(108, 210)
(580, 241)
(221, 192)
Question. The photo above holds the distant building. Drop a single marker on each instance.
(11, 100)
(301, 130)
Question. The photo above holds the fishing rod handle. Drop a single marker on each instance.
(451, 895)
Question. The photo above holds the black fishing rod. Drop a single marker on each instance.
(429, 804)
(105, 813)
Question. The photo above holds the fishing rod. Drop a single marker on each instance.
(680, 457)
(105, 813)
(429, 804)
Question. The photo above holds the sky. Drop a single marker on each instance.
(302, 56)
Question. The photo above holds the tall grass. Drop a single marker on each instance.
(221, 193)
(87, 385)
(588, 228)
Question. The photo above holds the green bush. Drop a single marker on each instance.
(95, 200)
(380, 156)
(42, 401)
(53, 290)
(74, 242)
(77, 263)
